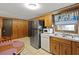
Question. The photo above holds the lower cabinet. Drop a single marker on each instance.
(75, 48)
(65, 49)
(54, 47)
(60, 46)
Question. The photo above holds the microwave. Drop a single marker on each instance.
(48, 30)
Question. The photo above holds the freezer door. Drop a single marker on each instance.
(35, 39)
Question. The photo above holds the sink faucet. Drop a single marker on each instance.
(65, 34)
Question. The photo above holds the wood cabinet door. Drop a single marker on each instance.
(54, 47)
(75, 48)
(48, 21)
(65, 49)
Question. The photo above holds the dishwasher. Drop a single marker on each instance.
(45, 42)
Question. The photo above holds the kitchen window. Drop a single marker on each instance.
(66, 28)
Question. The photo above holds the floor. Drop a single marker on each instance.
(29, 50)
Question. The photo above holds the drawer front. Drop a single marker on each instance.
(77, 44)
(61, 40)
(65, 41)
(55, 38)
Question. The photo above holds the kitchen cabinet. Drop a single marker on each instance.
(75, 48)
(48, 19)
(54, 46)
(65, 49)
(60, 46)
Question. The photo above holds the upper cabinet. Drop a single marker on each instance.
(48, 19)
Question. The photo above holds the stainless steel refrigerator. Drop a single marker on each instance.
(36, 28)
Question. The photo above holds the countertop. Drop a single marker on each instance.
(63, 37)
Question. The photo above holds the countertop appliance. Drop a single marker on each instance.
(36, 30)
(48, 30)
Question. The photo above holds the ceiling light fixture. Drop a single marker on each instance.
(32, 6)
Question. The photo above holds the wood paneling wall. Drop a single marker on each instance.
(20, 28)
(1, 28)
(0, 22)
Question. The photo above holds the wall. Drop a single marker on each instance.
(19, 28)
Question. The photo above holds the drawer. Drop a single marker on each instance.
(61, 40)
(77, 44)
(55, 38)
(65, 41)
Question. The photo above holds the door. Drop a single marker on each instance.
(35, 41)
(65, 49)
(30, 28)
(75, 48)
(7, 28)
(54, 46)
(35, 33)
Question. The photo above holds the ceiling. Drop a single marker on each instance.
(18, 10)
